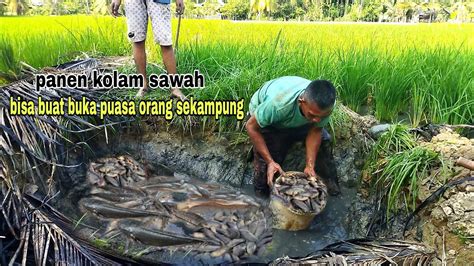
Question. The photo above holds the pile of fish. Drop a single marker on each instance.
(303, 194)
(115, 171)
(208, 221)
(366, 252)
(236, 236)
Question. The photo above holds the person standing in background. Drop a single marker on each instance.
(137, 13)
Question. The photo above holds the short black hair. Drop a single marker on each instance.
(321, 92)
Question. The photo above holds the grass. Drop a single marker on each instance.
(397, 165)
(101, 243)
(423, 72)
(396, 139)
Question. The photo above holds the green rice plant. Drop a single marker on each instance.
(401, 176)
(379, 67)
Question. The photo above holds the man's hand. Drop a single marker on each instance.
(309, 170)
(179, 7)
(115, 7)
(272, 168)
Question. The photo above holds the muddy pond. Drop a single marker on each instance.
(175, 200)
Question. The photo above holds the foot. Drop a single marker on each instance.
(176, 93)
(141, 93)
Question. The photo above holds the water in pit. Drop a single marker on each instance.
(327, 227)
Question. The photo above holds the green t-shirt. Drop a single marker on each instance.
(276, 103)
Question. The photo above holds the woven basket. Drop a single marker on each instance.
(285, 217)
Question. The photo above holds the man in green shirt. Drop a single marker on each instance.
(286, 110)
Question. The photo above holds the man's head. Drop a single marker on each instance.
(317, 101)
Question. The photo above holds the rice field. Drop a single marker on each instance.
(417, 73)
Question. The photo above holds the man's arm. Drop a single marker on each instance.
(253, 129)
(313, 141)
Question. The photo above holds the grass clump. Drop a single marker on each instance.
(396, 165)
(9, 66)
(397, 139)
(380, 67)
(401, 175)
(101, 243)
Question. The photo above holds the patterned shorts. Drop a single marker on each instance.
(137, 13)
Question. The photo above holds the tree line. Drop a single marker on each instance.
(302, 10)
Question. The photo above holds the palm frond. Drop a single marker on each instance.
(31, 149)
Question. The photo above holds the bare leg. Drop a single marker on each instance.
(170, 64)
(139, 55)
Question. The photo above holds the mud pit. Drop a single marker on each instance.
(191, 171)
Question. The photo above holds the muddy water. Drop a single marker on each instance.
(327, 227)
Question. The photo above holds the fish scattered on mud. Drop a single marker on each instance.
(107, 210)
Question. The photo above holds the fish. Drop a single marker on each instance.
(208, 248)
(227, 257)
(156, 180)
(300, 198)
(138, 203)
(233, 230)
(248, 236)
(127, 159)
(126, 181)
(186, 205)
(252, 226)
(234, 258)
(222, 237)
(104, 209)
(224, 232)
(211, 235)
(199, 235)
(140, 172)
(303, 182)
(114, 197)
(251, 247)
(95, 179)
(157, 237)
(189, 217)
(294, 191)
(248, 200)
(220, 252)
(219, 216)
(118, 170)
(260, 228)
(235, 242)
(300, 205)
(111, 179)
(239, 250)
(108, 167)
(264, 240)
(159, 185)
(261, 250)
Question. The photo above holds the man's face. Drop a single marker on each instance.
(312, 112)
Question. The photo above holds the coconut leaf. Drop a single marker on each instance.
(31, 149)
